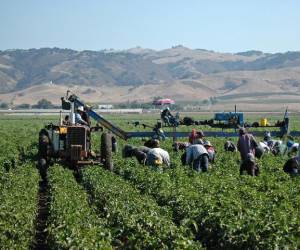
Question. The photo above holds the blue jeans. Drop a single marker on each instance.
(201, 163)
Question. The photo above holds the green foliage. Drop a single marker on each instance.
(223, 208)
(18, 199)
(137, 220)
(43, 104)
(138, 208)
(73, 224)
(23, 106)
(18, 142)
(4, 105)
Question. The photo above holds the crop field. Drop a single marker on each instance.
(135, 207)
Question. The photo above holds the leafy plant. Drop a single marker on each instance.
(73, 224)
(137, 220)
(18, 199)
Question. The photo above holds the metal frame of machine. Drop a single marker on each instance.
(158, 132)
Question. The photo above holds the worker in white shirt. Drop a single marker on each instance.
(196, 156)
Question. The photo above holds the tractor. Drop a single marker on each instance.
(70, 143)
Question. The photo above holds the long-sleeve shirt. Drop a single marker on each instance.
(143, 149)
(264, 145)
(156, 155)
(194, 151)
(129, 150)
(246, 144)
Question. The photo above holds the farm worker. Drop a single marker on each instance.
(275, 146)
(152, 143)
(268, 140)
(292, 166)
(196, 155)
(249, 165)
(180, 146)
(86, 117)
(264, 146)
(166, 115)
(156, 157)
(192, 136)
(159, 133)
(79, 116)
(196, 137)
(267, 136)
(229, 146)
(292, 147)
(210, 150)
(246, 144)
(66, 120)
(259, 151)
(140, 153)
(147, 156)
(279, 148)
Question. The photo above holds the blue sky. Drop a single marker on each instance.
(225, 26)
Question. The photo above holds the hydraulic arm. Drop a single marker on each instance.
(105, 123)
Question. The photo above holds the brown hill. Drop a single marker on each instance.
(140, 74)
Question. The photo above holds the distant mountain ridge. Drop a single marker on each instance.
(139, 74)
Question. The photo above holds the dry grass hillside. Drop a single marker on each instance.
(252, 77)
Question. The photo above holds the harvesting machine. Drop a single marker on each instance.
(224, 121)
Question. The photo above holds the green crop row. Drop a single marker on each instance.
(221, 209)
(73, 224)
(138, 222)
(18, 199)
(18, 143)
(224, 209)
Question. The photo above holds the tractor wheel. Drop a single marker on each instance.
(106, 151)
(42, 165)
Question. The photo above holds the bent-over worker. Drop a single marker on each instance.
(210, 150)
(292, 166)
(140, 153)
(246, 146)
(229, 146)
(197, 157)
(157, 157)
(249, 165)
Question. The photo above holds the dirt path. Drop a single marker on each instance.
(41, 234)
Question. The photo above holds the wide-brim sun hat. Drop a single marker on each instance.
(80, 108)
